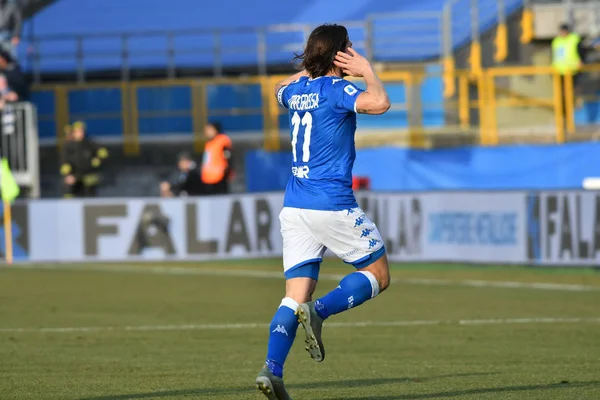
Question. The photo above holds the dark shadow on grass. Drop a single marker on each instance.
(349, 383)
(457, 393)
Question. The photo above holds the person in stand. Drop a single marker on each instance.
(217, 160)
(568, 54)
(81, 162)
(188, 182)
(16, 79)
(11, 22)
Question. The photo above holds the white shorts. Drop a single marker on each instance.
(349, 234)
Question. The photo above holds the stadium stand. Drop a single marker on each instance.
(159, 33)
(432, 53)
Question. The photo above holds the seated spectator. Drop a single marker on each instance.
(15, 77)
(11, 22)
(81, 162)
(187, 183)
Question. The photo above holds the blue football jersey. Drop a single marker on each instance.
(322, 114)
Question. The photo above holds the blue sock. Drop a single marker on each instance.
(282, 334)
(353, 290)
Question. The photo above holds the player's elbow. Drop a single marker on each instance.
(381, 106)
(385, 105)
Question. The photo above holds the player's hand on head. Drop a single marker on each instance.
(352, 64)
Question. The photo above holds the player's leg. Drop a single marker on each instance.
(302, 256)
(299, 289)
(283, 332)
(355, 239)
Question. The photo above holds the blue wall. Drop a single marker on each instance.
(168, 109)
(472, 168)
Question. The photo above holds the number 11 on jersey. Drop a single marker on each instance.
(306, 122)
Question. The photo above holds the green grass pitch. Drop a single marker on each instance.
(199, 331)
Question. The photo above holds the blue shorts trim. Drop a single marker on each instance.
(306, 269)
(368, 259)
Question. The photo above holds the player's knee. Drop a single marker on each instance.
(299, 297)
(384, 280)
(381, 271)
(300, 289)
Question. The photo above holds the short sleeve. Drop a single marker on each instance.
(281, 96)
(345, 94)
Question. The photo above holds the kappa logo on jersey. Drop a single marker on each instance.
(350, 90)
(280, 329)
(301, 172)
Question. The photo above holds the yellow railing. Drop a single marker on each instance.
(487, 105)
(529, 97)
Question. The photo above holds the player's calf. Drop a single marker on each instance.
(353, 290)
(381, 270)
(356, 288)
(282, 333)
(300, 285)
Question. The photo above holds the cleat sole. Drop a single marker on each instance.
(313, 347)
(264, 386)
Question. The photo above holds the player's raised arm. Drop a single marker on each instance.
(289, 80)
(375, 99)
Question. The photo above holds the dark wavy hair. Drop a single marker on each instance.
(322, 46)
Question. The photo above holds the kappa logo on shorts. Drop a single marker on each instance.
(366, 232)
(350, 211)
(359, 221)
(373, 243)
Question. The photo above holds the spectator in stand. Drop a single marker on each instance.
(188, 182)
(10, 26)
(7, 95)
(217, 160)
(7, 114)
(15, 77)
(568, 53)
(81, 162)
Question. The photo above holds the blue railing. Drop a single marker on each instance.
(415, 34)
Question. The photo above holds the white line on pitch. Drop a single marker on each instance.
(238, 273)
(208, 327)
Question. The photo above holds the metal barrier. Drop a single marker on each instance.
(172, 50)
(433, 36)
(539, 101)
(131, 113)
(19, 144)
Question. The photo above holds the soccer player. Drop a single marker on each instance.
(320, 211)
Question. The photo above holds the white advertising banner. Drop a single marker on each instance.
(475, 227)
(563, 228)
(546, 228)
(178, 229)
